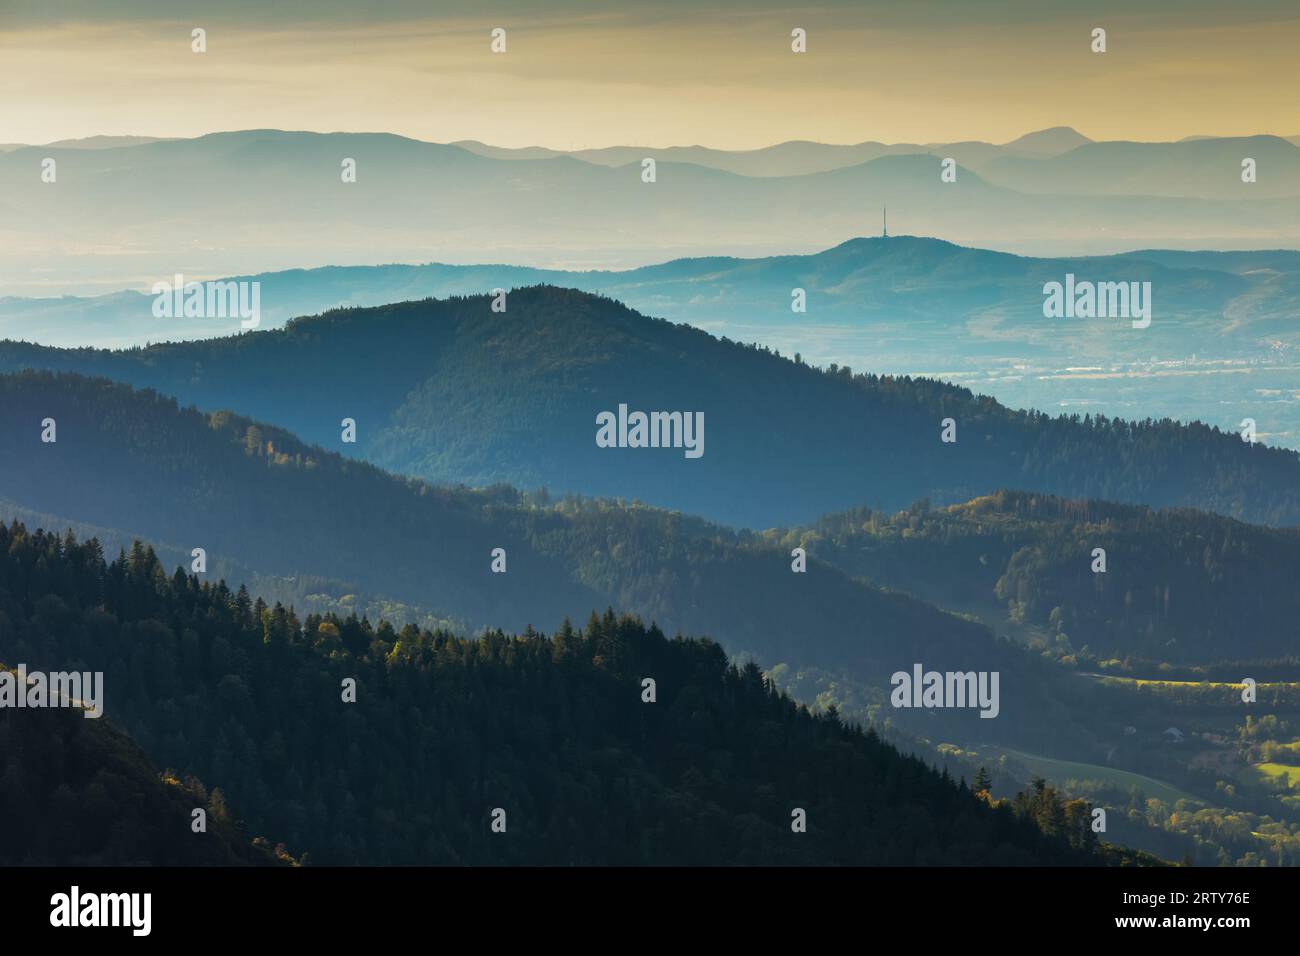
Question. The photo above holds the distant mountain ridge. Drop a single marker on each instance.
(418, 201)
(794, 157)
(901, 284)
(1221, 345)
(1208, 168)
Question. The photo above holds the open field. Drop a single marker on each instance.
(1280, 771)
(1058, 771)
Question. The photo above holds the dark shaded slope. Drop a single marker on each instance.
(445, 732)
(1180, 585)
(255, 497)
(452, 391)
(78, 792)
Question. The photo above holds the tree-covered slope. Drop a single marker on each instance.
(452, 391)
(505, 749)
(257, 497)
(1179, 585)
(136, 461)
(79, 792)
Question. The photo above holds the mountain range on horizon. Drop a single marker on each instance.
(421, 201)
(789, 157)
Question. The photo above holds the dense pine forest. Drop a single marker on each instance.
(555, 732)
(1180, 587)
(275, 511)
(78, 792)
(257, 495)
(451, 391)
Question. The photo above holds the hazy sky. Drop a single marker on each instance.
(658, 73)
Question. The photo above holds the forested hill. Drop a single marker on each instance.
(254, 494)
(87, 796)
(505, 749)
(135, 461)
(452, 391)
(1180, 586)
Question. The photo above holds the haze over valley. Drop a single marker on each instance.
(701, 435)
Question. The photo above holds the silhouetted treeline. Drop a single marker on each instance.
(445, 730)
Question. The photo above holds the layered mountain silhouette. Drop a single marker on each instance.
(160, 203)
(1220, 346)
(916, 298)
(607, 744)
(798, 157)
(1203, 168)
(453, 391)
(320, 527)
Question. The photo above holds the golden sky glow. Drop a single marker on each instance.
(675, 74)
